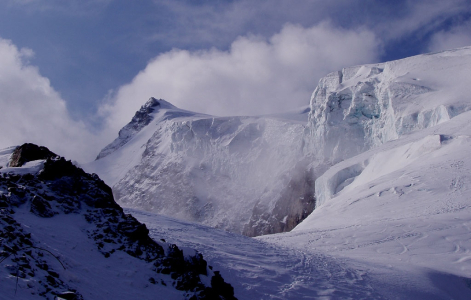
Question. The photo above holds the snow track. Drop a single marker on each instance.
(260, 270)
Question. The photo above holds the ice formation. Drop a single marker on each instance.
(363, 107)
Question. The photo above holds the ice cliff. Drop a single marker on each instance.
(363, 107)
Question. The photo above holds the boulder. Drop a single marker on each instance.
(29, 152)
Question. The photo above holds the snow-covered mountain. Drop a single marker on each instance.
(255, 175)
(62, 236)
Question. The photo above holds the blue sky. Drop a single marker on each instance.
(77, 70)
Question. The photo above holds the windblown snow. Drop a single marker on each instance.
(202, 168)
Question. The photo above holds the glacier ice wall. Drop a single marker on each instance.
(362, 107)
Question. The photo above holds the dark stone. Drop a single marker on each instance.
(296, 202)
(55, 168)
(53, 274)
(135, 231)
(51, 281)
(221, 287)
(69, 295)
(41, 207)
(29, 152)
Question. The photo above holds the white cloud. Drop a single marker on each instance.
(255, 76)
(456, 37)
(32, 111)
(70, 7)
(420, 16)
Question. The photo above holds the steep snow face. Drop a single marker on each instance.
(214, 170)
(141, 119)
(218, 171)
(125, 152)
(362, 107)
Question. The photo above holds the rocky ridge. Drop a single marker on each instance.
(57, 187)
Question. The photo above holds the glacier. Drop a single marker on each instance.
(255, 175)
(361, 107)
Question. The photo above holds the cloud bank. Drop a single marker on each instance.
(255, 76)
(458, 36)
(32, 111)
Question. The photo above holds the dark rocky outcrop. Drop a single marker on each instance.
(141, 119)
(29, 152)
(62, 188)
(295, 203)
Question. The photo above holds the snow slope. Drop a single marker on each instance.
(279, 267)
(260, 270)
(393, 212)
(399, 227)
(211, 170)
(404, 205)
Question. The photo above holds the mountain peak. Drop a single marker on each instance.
(141, 119)
(154, 102)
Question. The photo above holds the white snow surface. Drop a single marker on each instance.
(402, 207)
(118, 277)
(5, 156)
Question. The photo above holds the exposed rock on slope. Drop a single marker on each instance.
(295, 203)
(141, 119)
(78, 209)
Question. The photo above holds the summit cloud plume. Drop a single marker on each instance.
(254, 76)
